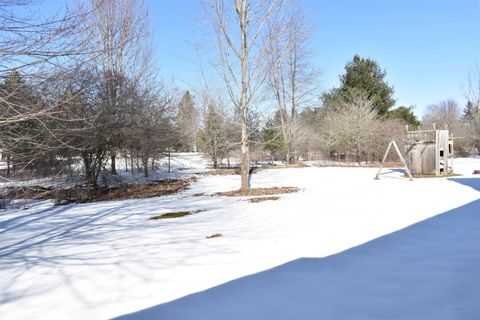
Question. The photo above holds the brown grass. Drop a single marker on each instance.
(262, 199)
(175, 214)
(171, 215)
(35, 193)
(258, 192)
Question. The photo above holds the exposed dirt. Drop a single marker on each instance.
(258, 192)
(83, 194)
(215, 235)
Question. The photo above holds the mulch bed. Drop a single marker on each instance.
(258, 192)
(229, 171)
(83, 194)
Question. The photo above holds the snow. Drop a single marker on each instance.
(333, 250)
(181, 165)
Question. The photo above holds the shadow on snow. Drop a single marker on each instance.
(430, 270)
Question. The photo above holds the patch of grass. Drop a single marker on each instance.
(262, 199)
(258, 191)
(175, 214)
(170, 215)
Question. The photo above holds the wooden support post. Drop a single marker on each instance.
(377, 176)
(384, 158)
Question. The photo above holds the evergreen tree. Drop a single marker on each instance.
(273, 141)
(21, 140)
(187, 123)
(215, 138)
(363, 75)
(405, 114)
(469, 111)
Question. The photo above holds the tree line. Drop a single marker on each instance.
(79, 91)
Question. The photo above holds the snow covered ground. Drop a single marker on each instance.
(104, 260)
(181, 165)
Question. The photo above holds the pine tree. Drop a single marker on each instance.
(216, 136)
(363, 76)
(469, 111)
(187, 123)
(405, 114)
(21, 139)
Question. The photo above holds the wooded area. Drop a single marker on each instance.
(79, 93)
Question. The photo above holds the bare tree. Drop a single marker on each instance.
(471, 115)
(150, 128)
(29, 41)
(33, 48)
(354, 128)
(240, 35)
(119, 32)
(293, 79)
(443, 114)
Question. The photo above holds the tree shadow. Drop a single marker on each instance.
(49, 244)
(473, 183)
(29, 240)
(430, 270)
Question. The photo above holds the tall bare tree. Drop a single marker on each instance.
(120, 33)
(471, 115)
(240, 35)
(293, 78)
(443, 114)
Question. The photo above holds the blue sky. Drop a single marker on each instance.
(427, 47)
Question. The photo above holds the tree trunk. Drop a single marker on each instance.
(169, 156)
(245, 182)
(245, 163)
(131, 163)
(89, 170)
(8, 165)
(114, 165)
(145, 167)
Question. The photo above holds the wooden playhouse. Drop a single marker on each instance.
(429, 152)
